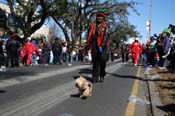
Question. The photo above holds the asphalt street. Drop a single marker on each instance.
(50, 91)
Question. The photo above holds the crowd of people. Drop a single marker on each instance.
(159, 50)
(155, 52)
(34, 52)
(15, 53)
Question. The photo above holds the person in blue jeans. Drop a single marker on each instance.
(34, 55)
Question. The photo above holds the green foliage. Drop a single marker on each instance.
(73, 17)
(78, 17)
(29, 15)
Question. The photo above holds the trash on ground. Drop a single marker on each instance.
(138, 100)
(153, 77)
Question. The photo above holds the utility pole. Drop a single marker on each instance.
(150, 20)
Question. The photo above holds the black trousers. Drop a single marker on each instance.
(99, 64)
(57, 58)
(124, 57)
(1, 59)
(152, 58)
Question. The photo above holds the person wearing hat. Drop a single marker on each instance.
(152, 50)
(136, 49)
(29, 49)
(166, 46)
(98, 41)
(167, 40)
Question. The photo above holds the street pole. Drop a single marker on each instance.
(150, 20)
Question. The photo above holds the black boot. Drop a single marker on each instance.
(101, 79)
(95, 80)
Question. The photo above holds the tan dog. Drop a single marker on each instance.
(84, 86)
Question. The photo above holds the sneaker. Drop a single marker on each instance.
(69, 64)
(150, 66)
(101, 79)
(1, 70)
(45, 64)
(3, 67)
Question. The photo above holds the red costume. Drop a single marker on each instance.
(28, 48)
(136, 49)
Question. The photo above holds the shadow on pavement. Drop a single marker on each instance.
(85, 71)
(142, 78)
(128, 76)
(77, 95)
(2, 91)
(168, 108)
(14, 74)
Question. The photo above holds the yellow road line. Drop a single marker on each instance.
(131, 105)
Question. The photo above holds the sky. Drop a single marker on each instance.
(163, 14)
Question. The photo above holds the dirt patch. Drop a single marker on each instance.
(165, 86)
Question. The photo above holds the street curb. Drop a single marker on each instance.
(154, 96)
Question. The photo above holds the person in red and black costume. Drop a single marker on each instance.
(98, 41)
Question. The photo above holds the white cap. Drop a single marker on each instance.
(29, 38)
(137, 38)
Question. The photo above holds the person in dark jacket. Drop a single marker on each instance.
(12, 47)
(3, 27)
(159, 47)
(125, 52)
(98, 39)
(56, 49)
(1, 52)
(46, 52)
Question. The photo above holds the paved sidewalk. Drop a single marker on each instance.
(156, 79)
(154, 96)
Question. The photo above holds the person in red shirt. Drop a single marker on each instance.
(28, 48)
(136, 49)
(98, 40)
